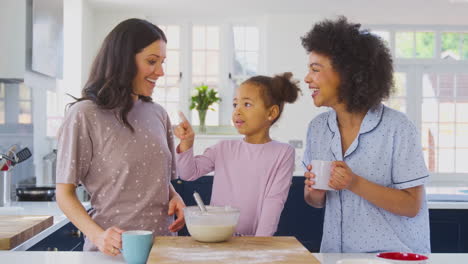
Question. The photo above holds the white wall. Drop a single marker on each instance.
(13, 38)
(284, 52)
(75, 12)
(87, 41)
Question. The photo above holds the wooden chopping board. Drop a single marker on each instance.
(174, 250)
(15, 229)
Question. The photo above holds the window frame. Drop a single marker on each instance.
(226, 84)
(415, 68)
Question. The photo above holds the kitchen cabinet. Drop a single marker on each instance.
(67, 238)
(449, 230)
(13, 18)
(448, 227)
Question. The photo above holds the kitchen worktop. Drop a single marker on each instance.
(46, 257)
(287, 250)
(38, 208)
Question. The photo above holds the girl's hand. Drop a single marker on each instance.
(176, 206)
(310, 180)
(342, 177)
(185, 133)
(109, 241)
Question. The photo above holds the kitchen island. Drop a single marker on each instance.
(28, 257)
(38, 208)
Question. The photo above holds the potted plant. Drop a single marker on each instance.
(202, 101)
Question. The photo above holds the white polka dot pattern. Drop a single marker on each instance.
(387, 152)
(127, 174)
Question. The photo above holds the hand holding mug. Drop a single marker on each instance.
(310, 179)
(342, 177)
(109, 241)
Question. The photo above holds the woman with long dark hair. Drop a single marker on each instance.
(118, 144)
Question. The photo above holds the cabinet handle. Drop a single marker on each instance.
(76, 233)
(52, 249)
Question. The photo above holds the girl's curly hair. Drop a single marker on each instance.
(361, 59)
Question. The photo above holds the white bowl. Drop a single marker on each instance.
(216, 225)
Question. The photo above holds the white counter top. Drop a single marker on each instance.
(436, 258)
(38, 208)
(39, 257)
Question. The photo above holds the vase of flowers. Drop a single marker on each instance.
(201, 101)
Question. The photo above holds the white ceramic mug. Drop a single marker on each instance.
(322, 171)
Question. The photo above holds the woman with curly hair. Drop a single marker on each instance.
(378, 171)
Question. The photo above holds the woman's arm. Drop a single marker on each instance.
(108, 241)
(176, 206)
(406, 202)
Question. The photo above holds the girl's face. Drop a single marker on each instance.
(149, 67)
(250, 115)
(323, 80)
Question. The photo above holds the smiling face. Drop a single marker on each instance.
(250, 114)
(149, 68)
(323, 80)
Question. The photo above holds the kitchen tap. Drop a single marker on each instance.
(7, 161)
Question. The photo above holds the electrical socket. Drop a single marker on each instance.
(296, 143)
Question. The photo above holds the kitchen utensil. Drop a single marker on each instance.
(7, 158)
(217, 224)
(199, 202)
(16, 158)
(403, 257)
(23, 155)
(35, 193)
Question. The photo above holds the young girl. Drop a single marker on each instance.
(252, 174)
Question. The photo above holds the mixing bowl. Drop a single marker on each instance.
(216, 225)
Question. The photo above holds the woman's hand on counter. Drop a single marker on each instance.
(109, 241)
(176, 206)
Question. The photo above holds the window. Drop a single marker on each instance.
(246, 52)
(454, 46)
(206, 65)
(398, 99)
(54, 113)
(2, 103)
(25, 104)
(167, 91)
(414, 44)
(431, 84)
(444, 122)
(217, 55)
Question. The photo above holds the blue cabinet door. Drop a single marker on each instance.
(67, 238)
